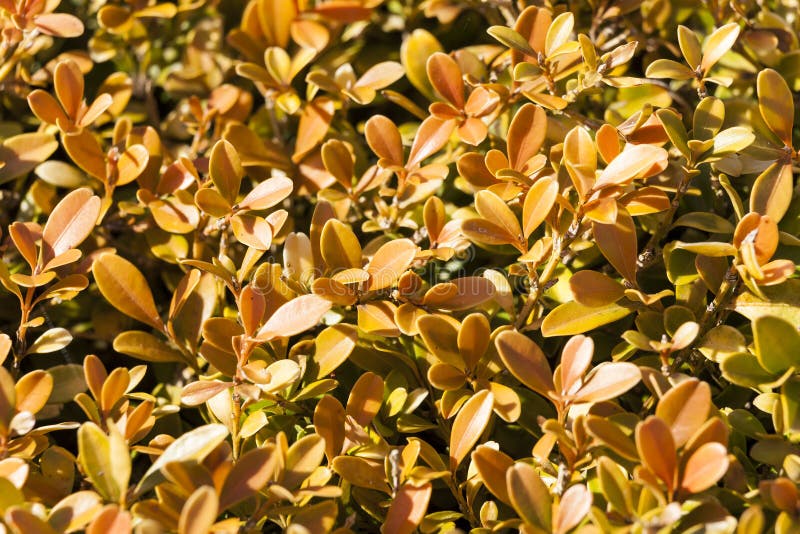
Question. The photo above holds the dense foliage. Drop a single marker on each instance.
(361, 265)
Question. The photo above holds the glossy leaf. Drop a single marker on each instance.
(468, 426)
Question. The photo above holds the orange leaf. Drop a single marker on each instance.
(618, 244)
(407, 510)
(685, 409)
(365, 398)
(575, 360)
(445, 76)
(526, 135)
(389, 262)
(125, 287)
(432, 135)
(384, 139)
(315, 119)
(526, 361)
(657, 449)
(705, 467)
(469, 424)
(294, 317)
(249, 474)
(538, 204)
(607, 381)
(68, 82)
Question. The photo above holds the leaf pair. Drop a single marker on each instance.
(519, 485)
(360, 90)
(570, 383)
(348, 279)
(498, 225)
(69, 224)
(70, 112)
(700, 58)
(447, 79)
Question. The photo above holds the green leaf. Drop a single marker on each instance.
(790, 407)
(614, 486)
(511, 39)
(690, 46)
(782, 301)
(105, 460)
(733, 140)
(667, 68)
(676, 131)
(777, 344)
(744, 370)
(705, 221)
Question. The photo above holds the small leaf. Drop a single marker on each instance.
(248, 476)
(573, 318)
(635, 161)
(340, 246)
(417, 47)
(717, 44)
(618, 244)
(526, 135)
(294, 317)
(607, 381)
(615, 486)
(526, 361)
(468, 425)
(194, 445)
(361, 472)
(705, 467)
(71, 221)
(574, 505)
(431, 136)
(667, 68)
(657, 449)
(408, 509)
(365, 398)
(776, 104)
(332, 347)
(267, 194)
(103, 459)
(390, 262)
(225, 170)
(146, 347)
(492, 208)
(384, 139)
(445, 76)
(125, 287)
(690, 46)
(538, 203)
(685, 409)
(777, 343)
(559, 32)
(199, 512)
(594, 289)
(511, 39)
(492, 466)
(772, 191)
(529, 496)
(50, 341)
